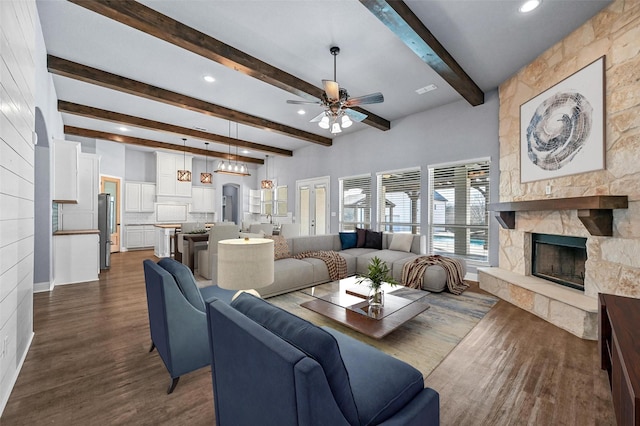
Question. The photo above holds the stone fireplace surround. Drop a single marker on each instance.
(570, 309)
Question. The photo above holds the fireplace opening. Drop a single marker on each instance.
(560, 259)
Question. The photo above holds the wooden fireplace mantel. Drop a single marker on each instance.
(595, 211)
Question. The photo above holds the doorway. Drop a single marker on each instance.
(230, 203)
(312, 205)
(111, 186)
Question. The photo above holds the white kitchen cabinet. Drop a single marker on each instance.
(66, 159)
(202, 199)
(254, 201)
(164, 236)
(84, 213)
(167, 166)
(139, 197)
(76, 257)
(140, 236)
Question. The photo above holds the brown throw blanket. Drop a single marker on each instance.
(413, 271)
(336, 264)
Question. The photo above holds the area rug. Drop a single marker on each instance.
(422, 342)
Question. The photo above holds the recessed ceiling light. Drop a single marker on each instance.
(123, 129)
(209, 78)
(426, 89)
(245, 151)
(301, 112)
(529, 5)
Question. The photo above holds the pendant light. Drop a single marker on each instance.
(184, 175)
(226, 167)
(266, 183)
(206, 176)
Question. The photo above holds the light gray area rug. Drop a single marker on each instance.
(422, 342)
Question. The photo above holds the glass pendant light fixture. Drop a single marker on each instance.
(206, 177)
(266, 183)
(228, 168)
(184, 175)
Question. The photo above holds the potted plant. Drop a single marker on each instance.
(377, 273)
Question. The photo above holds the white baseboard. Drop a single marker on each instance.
(43, 286)
(4, 401)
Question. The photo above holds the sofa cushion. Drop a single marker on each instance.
(361, 237)
(289, 274)
(185, 280)
(384, 386)
(387, 256)
(401, 242)
(348, 240)
(314, 243)
(313, 341)
(280, 247)
(373, 239)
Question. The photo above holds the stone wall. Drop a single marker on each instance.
(613, 264)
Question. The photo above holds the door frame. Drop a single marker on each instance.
(326, 180)
(119, 210)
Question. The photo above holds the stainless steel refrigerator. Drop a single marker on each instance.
(106, 225)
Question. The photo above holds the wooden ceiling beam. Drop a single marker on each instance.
(101, 78)
(397, 16)
(154, 23)
(114, 137)
(116, 117)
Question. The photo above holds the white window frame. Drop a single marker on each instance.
(366, 207)
(389, 225)
(474, 250)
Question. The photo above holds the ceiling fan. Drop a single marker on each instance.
(337, 105)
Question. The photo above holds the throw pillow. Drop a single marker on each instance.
(348, 240)
(401, 242)
(280, 247)
(361, 237)
(373, 240)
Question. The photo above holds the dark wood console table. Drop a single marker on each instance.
(619, 344)
(595, 212)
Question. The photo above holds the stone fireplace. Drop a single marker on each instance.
(612, 265)
(560, 259)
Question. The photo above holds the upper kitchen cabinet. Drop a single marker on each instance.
(167, 174)
(139, 197)
(66, 159)
(203, 200)
(83, 214)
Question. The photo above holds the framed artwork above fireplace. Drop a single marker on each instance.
(562, 129)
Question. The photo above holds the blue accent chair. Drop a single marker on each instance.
(177, 317)
(270, 367)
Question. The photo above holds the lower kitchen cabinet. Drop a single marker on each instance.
(140, 236)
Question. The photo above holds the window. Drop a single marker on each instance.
(355, 202)
(458, 216)
(399, 201)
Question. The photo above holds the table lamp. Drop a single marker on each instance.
(245, 264)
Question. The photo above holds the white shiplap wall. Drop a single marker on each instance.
(17, 106)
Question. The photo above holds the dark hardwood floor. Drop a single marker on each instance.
(89, 365)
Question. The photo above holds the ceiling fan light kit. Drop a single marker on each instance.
(337, 105)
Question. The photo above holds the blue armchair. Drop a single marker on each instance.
(270, 367)
(177, 317)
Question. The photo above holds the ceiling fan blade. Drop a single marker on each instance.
(317, 117)
(355, 115)
(373, 98)
(289, 101)
(332, 89)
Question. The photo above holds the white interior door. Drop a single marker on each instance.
(313, 206)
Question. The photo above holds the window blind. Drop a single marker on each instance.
(355, 202)
(399, 201)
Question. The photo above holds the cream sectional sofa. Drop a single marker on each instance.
(294, 274)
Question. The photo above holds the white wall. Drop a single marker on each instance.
(453, 132)
(17, 119)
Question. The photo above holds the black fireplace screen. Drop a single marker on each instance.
(559, 259)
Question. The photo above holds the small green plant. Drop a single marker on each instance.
(377, 273)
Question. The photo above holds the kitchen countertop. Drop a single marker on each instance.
(77, 232)
(177, 225)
